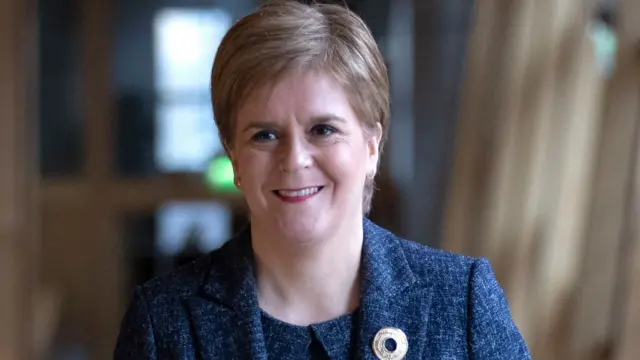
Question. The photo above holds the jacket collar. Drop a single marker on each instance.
(390, 295)
(231, 276)
(385, 269)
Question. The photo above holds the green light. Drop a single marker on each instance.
(219, 175)
(605, 42)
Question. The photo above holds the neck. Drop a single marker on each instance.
(312, 281)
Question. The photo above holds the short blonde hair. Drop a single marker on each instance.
(285, 36)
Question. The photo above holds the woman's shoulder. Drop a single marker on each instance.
(188, 280)
(454, 276)
(438, 257)
(182, 282)
(470, 284)
(436, 266)
(430, 265)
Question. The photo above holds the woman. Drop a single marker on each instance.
(300, 96)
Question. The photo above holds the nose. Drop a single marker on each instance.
(295, 154)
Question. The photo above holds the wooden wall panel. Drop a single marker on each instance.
(18, 230)
(604, 285)
(628, 345)
(626, 324)
(531, 211)
(471, 163)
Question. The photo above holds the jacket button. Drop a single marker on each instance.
(390, 344)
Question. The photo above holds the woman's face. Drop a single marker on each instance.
(302, 157)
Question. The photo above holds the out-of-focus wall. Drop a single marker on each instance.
(544, 171)
(441, 33)
(18, 193)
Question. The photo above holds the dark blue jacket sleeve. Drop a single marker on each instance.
(492, 333)
(136, 339)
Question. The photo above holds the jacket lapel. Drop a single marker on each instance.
(392, 295)
(226, 316)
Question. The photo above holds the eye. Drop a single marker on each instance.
(264, 136)
(323, 130)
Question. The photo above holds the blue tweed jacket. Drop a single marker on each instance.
(449, 306)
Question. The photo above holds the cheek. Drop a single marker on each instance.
(243, 163)
(346, 163)
(253, 166)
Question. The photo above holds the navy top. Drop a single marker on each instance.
(323, 341)
(449, 306)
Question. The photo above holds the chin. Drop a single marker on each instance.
(303, 229)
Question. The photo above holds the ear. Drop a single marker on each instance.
(373, 147)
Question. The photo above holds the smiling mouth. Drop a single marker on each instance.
(298, 195)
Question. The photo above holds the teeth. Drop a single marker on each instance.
(299, 193)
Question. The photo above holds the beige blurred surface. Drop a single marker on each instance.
(543, 179)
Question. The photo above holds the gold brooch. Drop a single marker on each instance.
(390, 344)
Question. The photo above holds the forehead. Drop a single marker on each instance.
(300, 95)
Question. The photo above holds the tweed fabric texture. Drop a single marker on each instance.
(323, 341)
(449, 306)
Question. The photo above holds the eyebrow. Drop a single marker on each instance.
(262, 125)
(259, 125)
(327, 118)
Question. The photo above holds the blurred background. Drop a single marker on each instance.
(514, 136)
